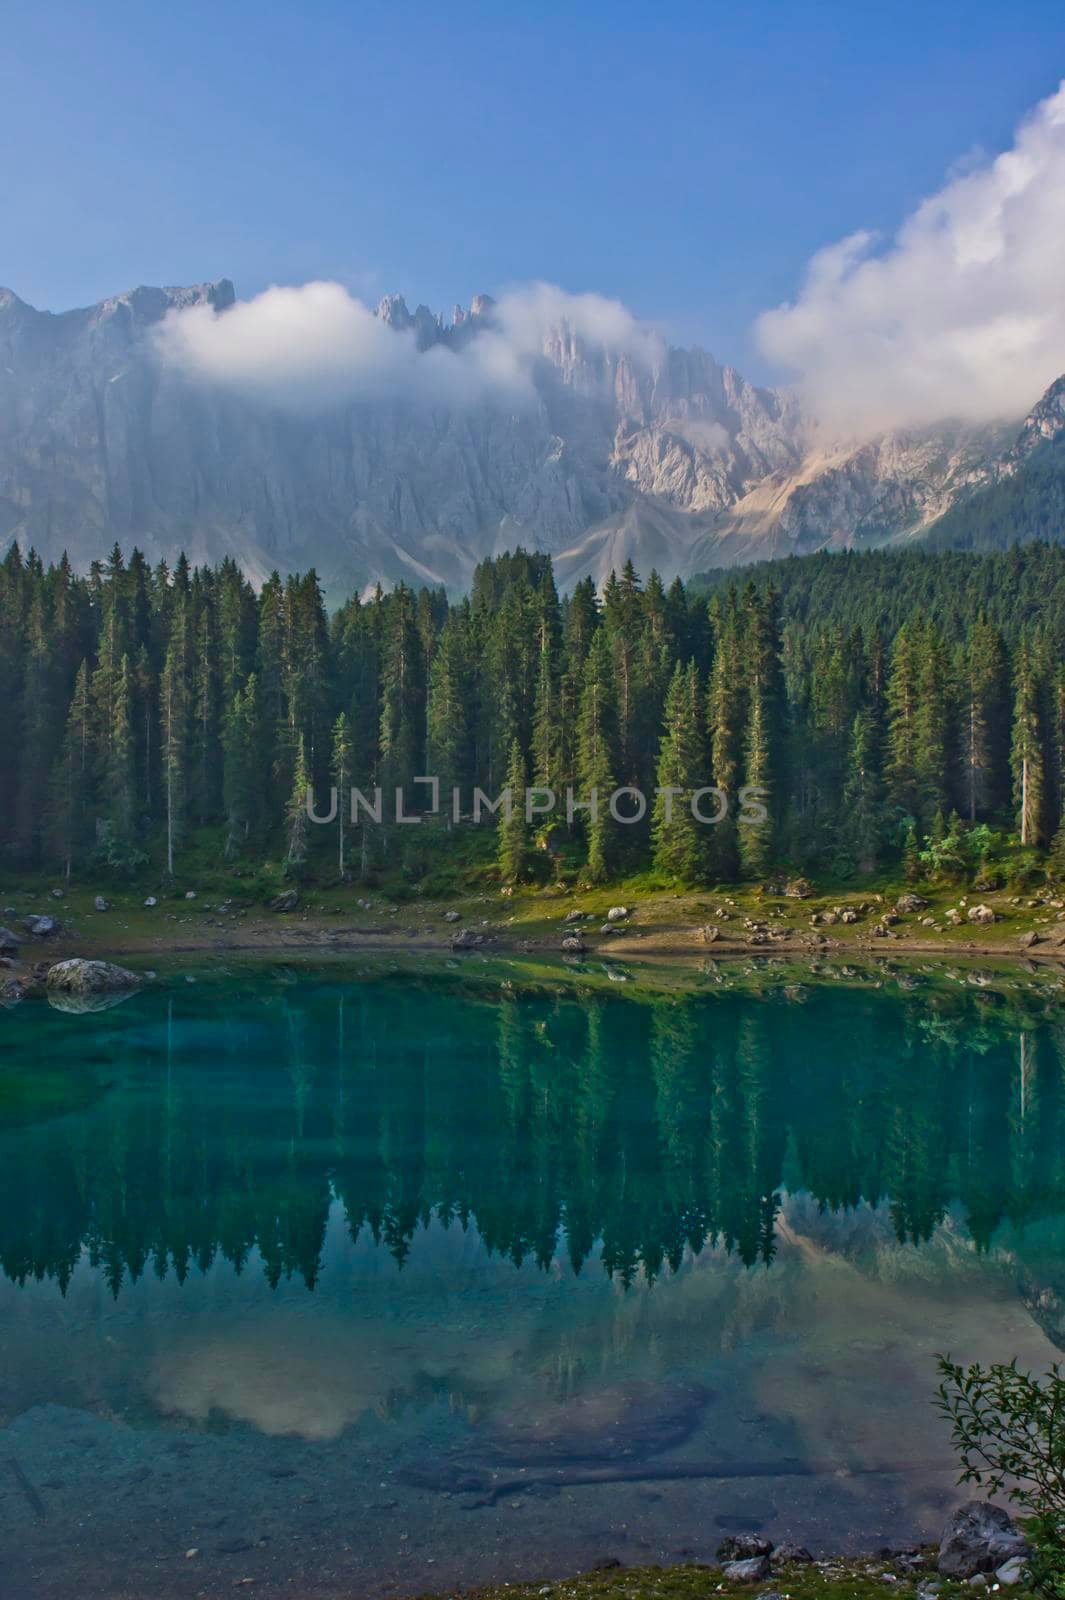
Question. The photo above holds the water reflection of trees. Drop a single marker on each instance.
(650, 1128)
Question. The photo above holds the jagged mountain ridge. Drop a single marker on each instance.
(666, 457)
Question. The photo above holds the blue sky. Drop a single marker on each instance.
(685, 158)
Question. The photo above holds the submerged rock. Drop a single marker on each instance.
(81, 977)
(42, 927)
(978, 1538)
(11, 991)
(8, 943)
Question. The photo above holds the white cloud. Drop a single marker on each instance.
(316, 346)
(962, 315)
(529, 313)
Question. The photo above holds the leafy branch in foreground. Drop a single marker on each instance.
(1008, 1429)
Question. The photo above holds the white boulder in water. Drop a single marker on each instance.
(78, 976)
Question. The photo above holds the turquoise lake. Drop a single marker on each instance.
(359, 1283)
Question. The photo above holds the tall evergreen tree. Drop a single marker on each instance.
(680, 840)
(1027, 756)
(596, 756)
(513, 831)
(341, 774)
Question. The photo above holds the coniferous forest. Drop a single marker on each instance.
(891, 707)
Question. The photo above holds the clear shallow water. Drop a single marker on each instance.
(370, 1285)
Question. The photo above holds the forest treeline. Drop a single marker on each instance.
(889, 706)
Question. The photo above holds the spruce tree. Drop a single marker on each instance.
(341, 774)
(726, 715)
(297, 822)
(71, 820)
(680, 845)
(173, 736)
(242, 774)
(122, 774)
(860, 822)
(596, 755)
(447, 729)
(513, 831)
(1027, 758)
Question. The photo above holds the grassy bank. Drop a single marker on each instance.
(226, 914)
(846, 1579)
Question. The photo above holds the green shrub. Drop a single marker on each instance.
(1009, 1431)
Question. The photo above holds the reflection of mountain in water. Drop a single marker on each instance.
(649, 1127)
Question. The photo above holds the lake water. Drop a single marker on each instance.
(359, 1283)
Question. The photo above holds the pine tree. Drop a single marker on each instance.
(242, 774)
(513, 831)
(726, 708)
(297, 822)
(933, 723)
(447, 728)
(861, 818)
(902, 784)
(173, 735)
(762, 738)
(680, 848)
(596, 754)
(403, 701)
(984, 733)
(71, 798)
(1027, 752)
(121, 787)
(341, 774)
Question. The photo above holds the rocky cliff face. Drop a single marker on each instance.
(661, 455)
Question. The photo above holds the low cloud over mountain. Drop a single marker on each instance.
(961, 316)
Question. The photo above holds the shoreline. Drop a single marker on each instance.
(648, 943)
(566, 928)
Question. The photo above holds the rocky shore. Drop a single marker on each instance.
(981, 1550)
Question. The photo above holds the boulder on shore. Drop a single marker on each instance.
(42, 927)
(467, 940)
(8, 943)
(752, 1570)
(978, 1537)
(286, 901)
(743, 1547)
(908, 903)
(573, 945)
(78, 976)
(794, 1554)
(981, 914)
